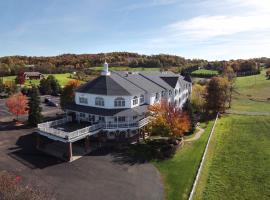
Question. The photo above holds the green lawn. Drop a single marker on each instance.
(237, 164)
(252, 93)
(62, 78)
(179, 172)
(205, 71)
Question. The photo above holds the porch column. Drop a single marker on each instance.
(87, 143)
(38, 141)
(69, 150)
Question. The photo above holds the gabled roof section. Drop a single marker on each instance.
(140, 81)
(172, 81)
(155, 77)
(110, 85)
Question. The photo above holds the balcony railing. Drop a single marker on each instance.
(49, 127)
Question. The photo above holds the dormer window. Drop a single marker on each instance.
(135, 100)
(142, 99)
(83, 100)
(119, 102)
(99, 101)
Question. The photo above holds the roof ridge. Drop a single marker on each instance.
(130, 81)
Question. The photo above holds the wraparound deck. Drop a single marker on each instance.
(55, 130)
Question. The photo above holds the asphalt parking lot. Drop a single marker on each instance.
(48, 111)
(96, 176)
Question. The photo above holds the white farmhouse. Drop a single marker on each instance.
(115, 105)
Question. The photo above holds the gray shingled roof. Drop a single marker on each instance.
(110, 85)
(108, 112)
(141, 82)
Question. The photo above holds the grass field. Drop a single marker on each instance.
(238, 160)
(178, 173)
(205, 71)
(62, 78)
(252, 94)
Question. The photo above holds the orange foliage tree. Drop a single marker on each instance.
(17, 104)
(73, 83)
(169, 120)
(67, 95)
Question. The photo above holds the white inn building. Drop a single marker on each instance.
(115, 104)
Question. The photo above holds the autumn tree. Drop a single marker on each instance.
(17, 104)
(267, 74)
(20, 78)
(217, 94)
(169, 120)
(198, 97)
(229, 73)
(67, 95)
(34, 114)
(10, 86)
(188, 108)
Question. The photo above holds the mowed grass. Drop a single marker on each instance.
(179, 172)
(205, 71)
(238, 160)
(252, 94)
(62, 79)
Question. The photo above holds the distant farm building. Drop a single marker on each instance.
(33, 75)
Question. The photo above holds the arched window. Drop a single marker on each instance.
(99, 101)
(119, 102)
(135, 100)
(142, 99)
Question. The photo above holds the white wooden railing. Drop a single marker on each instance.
(48, 127)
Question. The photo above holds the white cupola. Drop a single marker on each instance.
(105, 71)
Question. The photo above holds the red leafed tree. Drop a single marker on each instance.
(17, 104)
(169, 120)
(20, 79)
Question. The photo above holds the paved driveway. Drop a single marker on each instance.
(91, 177)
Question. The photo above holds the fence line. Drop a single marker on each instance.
(202, 161)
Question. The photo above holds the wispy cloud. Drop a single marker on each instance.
(212, 32)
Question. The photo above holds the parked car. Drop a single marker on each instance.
(47, 100)
(51, 103)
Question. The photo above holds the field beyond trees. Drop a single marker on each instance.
(252, 94)
(238, 160)
(62, 79)
(205, 72)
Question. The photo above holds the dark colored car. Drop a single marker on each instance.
(47, 100)
(50, 103)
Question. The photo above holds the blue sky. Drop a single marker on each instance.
(208, 29)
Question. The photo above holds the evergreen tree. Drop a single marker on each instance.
(34, 114)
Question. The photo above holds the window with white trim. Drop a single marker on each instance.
(119, 102)
(170, 92)
(99, 101)
(135, 100)
(157, 96)
(142, 99)
(83, 100)
(82, 115)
